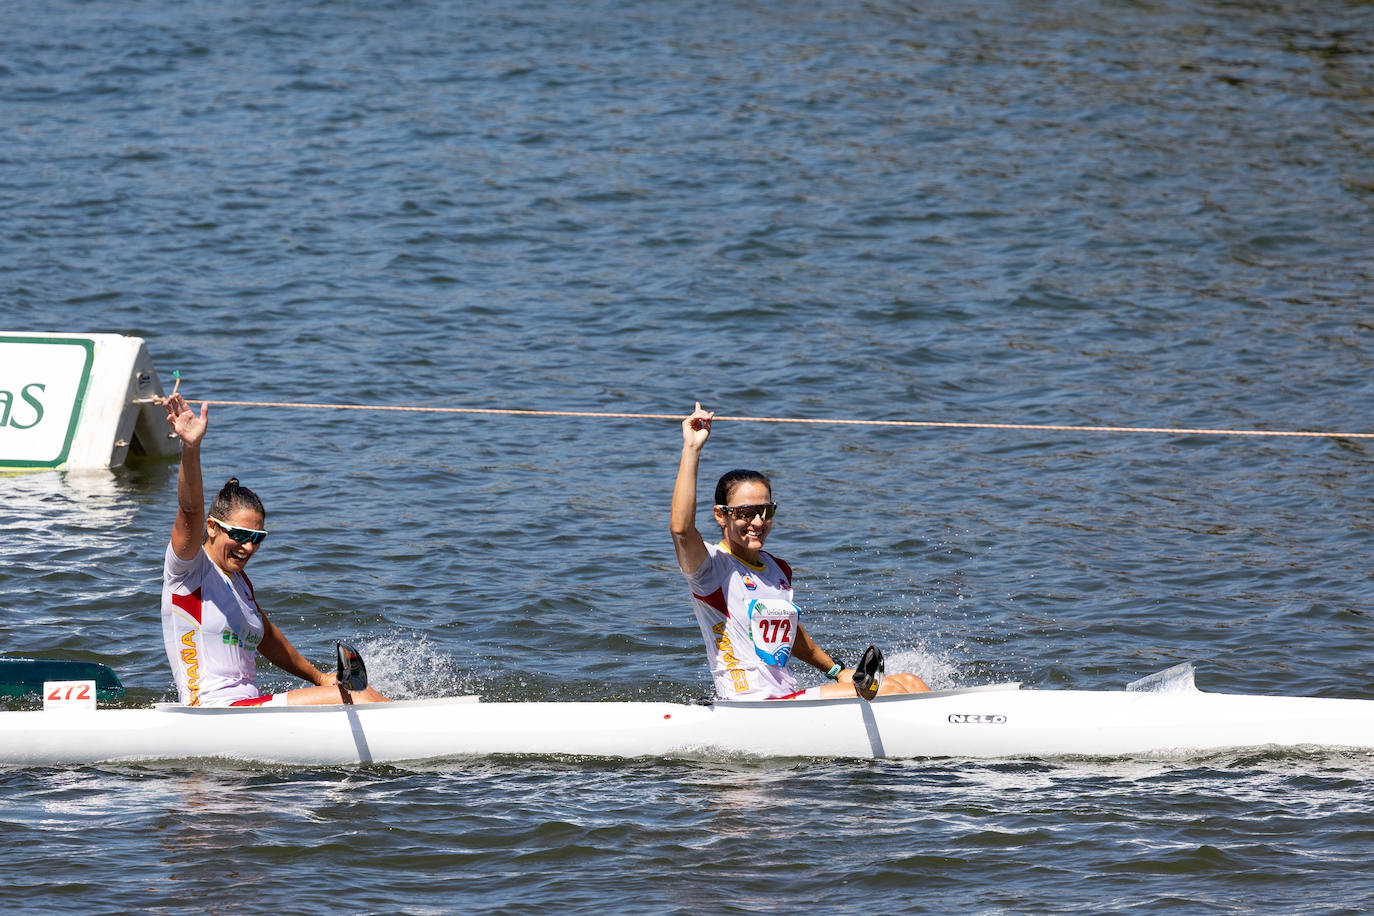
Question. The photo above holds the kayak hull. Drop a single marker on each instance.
(999, 721)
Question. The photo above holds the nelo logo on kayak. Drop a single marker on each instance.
(972, 719)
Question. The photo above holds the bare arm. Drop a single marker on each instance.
(687, 541)
(805, 649)
(189, 526)
(277, 649)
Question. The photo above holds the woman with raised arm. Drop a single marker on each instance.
(211, 623)
(743, 594)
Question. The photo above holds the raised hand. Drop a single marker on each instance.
(183, 419)
(696, 428)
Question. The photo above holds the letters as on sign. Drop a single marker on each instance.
(42, 384)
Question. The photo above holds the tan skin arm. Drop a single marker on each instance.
(189, 527)
(687, 540)
(277, 649)
(805, 649)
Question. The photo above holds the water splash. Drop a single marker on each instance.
(939, 671)
(405, 665)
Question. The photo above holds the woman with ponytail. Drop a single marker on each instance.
(742, 594)
(212, 624)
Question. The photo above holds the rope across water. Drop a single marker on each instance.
(912, 424)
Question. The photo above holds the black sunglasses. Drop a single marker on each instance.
(747, 513)
(242, 535)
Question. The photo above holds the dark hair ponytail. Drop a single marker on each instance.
(731, 479)
(232, 496)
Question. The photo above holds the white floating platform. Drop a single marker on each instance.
(78, 401)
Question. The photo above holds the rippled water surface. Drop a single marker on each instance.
(1134, 214)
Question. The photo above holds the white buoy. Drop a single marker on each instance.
(78, 401)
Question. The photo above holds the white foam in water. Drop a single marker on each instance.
(405, 666)
(937, 672)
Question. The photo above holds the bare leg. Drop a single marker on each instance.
(902, 683)
(331, 693)
(891, 685)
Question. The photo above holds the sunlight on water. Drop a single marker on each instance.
(1150, 214)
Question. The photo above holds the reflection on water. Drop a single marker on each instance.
(74, 506)
(207, 825)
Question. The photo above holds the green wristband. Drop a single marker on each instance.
(834, 673)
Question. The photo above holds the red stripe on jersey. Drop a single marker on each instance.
(189, 603)
(786, 570)
(251, 596)
(716, 600)
(253, 701)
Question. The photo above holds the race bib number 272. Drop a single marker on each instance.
(773, 626)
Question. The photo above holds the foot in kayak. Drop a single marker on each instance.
(350, 683)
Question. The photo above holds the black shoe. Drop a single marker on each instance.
(869, 673)
(352, 671)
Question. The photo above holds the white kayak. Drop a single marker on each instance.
(981, 722)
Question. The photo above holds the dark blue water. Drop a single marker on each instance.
(1141, 214)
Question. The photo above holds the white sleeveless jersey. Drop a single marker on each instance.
(211, 625)
(748, 623)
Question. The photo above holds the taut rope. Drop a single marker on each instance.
(910, 424)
